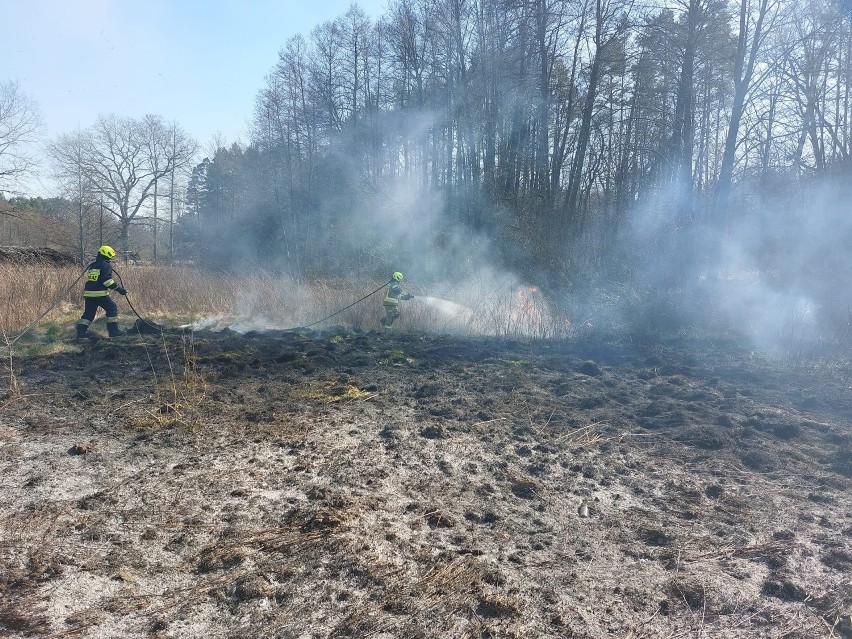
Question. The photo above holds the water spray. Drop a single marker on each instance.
(446, 307)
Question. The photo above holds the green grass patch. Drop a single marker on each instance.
(395, 356)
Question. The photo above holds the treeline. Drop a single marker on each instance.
(547, 125)
(76, 228)
(561, 137)
(36, 222)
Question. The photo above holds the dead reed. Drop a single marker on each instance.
(28, 291)
(14, 384)
(264, 300)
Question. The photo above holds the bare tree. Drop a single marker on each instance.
(67, 153)
(354, 29)
(817, 33)
(683, 133)
(123, 160)
(182, 149)
(408, 33)
(755, 20)
(610, 25)
(327, 76)
(116, 158)
(19, 123)
(167, 149)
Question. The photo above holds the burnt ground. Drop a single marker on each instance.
(350, 484)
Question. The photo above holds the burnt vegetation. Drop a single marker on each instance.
(443, 502)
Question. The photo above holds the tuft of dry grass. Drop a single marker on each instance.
(179, 397)
(331, 392)
(23, 614)
(14, 384)
(760, 550)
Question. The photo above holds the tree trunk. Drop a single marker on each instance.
(542, 160)
(576, 174)
(156, 184)
(743, 72)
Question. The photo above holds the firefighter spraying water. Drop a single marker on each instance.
(393, 294)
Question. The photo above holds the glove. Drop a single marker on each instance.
(121, 290)
(408, 296)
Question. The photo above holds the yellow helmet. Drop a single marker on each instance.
(397, 276)
(107, 251)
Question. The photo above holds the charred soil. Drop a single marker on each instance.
(354, 484)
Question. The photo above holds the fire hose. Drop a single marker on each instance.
(9, 343)
(155, 327)
(165, 329)
(350, 306)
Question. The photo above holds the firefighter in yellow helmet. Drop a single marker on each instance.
(393, 294)
(99, 283)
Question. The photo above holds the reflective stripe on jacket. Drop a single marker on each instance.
(98, 278)
(392, 294)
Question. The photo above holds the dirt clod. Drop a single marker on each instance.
(81, 448)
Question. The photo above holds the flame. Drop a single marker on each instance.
(527, 307)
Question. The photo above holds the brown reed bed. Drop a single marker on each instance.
(264, 300)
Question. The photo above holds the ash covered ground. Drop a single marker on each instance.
(352, 484)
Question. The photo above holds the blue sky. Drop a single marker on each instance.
(200, 63)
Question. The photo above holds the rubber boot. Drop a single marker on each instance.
(82, 330)
(113, 330)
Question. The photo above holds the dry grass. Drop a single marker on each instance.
(28, 291)
(179, 396)
(266, 300)
(14, 385)
(331, 392)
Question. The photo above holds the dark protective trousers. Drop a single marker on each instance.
(91, 308)
(391, 313)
